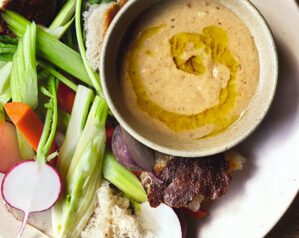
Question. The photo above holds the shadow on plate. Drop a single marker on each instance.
(277, 124)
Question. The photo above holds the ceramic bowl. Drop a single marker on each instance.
(173, 145)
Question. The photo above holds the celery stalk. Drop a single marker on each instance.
(58, 75)
(66, 13)
(60, 30)
(123, 178)
(83, 100)
(23, 80)
(5, 94)
(49, 48)
(50, 126)
(76, 206)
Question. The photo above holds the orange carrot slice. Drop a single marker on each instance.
(27, 122)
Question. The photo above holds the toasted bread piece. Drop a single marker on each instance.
(96, 23)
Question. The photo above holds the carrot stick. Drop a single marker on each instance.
(27, 122)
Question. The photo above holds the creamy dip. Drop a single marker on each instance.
(191, 68)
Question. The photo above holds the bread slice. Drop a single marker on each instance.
(96, 22)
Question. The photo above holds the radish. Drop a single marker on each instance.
(162, 221)
(31, 187)
(9, 148)
(130, 152)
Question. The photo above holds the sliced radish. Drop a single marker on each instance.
(31, 187)
(9, 148)
(162, 221)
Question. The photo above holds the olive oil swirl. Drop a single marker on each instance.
(212, 43)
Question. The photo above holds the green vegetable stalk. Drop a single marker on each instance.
(83, 101)
(65, 14)
(50, 125)
(94, 77)
(123, 178)
(83, 177)
(8, 46)
(23, 80)
(5, 94)
(50, 48)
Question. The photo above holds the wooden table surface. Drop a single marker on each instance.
(288, 226)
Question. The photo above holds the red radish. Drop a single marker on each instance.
(130, 152)
(162, 221)
(31, 187)
(9, 148)
(66, 97)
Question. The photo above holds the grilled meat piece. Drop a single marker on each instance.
(184, 179)
(40, 11)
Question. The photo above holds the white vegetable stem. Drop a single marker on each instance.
(83, 176)
(83, 100)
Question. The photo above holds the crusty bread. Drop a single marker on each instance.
(96, 22)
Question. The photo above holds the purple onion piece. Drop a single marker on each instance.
(130, 152)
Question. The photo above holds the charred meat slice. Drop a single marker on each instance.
(184, 179)
(40, 11)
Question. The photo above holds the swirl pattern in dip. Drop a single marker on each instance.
(192, 68)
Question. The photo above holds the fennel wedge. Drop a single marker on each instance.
(83, 175)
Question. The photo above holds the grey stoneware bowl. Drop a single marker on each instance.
(172, 145)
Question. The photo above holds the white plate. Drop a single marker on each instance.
(261, 193)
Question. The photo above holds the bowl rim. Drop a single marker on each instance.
(178, 152)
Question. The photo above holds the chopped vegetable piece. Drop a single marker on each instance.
(123, 178)
(8, 47)
(58, 75)
(162, 220)
(65, 14)
(66, 98)
(83, 101)
(31, 187)
(63, 121)
(131, 153)
(34, 186)
(49, 48)
(45, 143)
(59, 31)
(79, 200)
(5, 94)
(23, 80)
(26, 121)
(9, 148)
